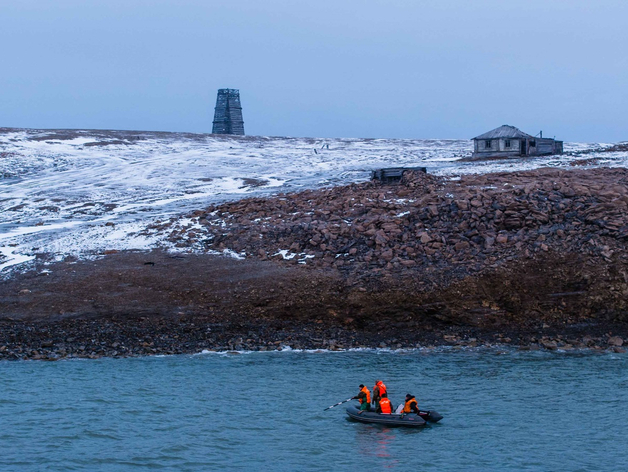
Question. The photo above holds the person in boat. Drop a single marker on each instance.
(384, 406)
(378, 391)
(411, 405)
(364, 397)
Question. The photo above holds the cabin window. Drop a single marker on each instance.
(532, 143)
(487, 144)
(507, 143)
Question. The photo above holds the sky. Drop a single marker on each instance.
(344, 68)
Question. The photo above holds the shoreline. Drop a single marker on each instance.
(528, 259)
(78, 343)
(442, 348)
(93, 337)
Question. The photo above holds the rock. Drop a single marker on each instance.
(424, 238)
(461, 246)
(381, 238)
(550, 345)
(615, 341)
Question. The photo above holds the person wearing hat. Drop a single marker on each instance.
(364, 398)
(411, 405)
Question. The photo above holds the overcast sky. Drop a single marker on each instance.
(322, 68)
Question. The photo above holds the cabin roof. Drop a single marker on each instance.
(504, 131)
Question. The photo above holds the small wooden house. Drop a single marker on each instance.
(508, 141)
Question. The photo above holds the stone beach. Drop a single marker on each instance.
(534, 259)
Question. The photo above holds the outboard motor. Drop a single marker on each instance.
(431, 416)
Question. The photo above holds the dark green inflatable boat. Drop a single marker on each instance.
(411, 420)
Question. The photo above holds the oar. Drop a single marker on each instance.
(339, 403)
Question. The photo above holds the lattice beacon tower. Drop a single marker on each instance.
(228, 113)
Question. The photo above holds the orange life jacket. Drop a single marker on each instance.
(382, 388)
(408, 407)
(368, 395)
(385, 406)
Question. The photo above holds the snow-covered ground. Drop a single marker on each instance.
(83, 192)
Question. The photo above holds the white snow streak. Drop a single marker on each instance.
(83, 192)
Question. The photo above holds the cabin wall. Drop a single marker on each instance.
(497, 145)
(498, 148)
(545, 147)
(514, 145)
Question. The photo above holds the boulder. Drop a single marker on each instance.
(549, 344)
(462, 245)
(615, 341)
(424, 238)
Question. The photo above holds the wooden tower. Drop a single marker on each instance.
(228, 113)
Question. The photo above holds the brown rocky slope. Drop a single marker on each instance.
(526, 244)
(534, 258)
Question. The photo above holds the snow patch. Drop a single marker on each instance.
(233, 254)
(61, 197)
(285, 254)
(12, 257)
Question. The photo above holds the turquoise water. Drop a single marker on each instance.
(504, 410)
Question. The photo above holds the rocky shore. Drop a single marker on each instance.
(93, 339)
(535, 259)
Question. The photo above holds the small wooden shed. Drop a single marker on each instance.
(393, 174)
(508, 141)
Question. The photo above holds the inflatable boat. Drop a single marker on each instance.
(409, 419)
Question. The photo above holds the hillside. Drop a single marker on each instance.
(534, 258)
(82, 193)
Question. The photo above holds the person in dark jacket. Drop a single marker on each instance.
(364, 397)
(378, 392)
(411, 405)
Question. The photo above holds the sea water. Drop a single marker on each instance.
(504, 410)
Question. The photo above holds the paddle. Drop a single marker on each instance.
(339, 403)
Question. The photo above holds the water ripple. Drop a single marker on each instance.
(531, 411)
